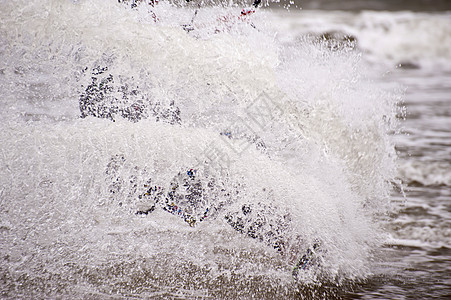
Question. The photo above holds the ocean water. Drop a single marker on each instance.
(271, 133)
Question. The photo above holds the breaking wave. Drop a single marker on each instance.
(408, 39)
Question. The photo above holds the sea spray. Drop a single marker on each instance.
(296, 134)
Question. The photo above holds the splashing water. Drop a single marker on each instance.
(142, 158)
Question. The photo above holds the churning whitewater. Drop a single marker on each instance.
(177, 150)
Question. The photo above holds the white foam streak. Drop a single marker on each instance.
(427, 173)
